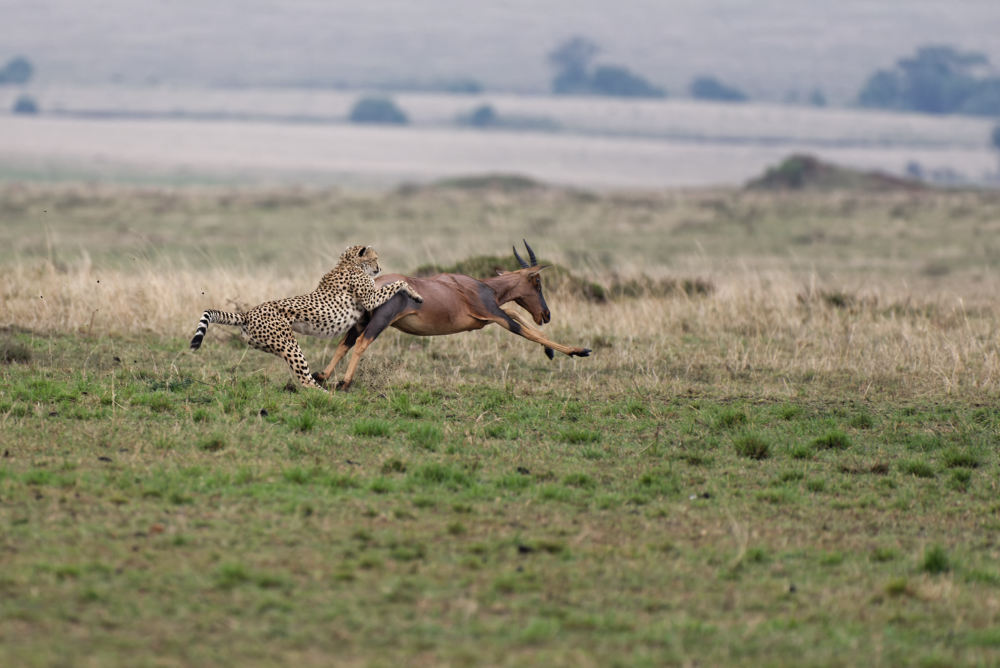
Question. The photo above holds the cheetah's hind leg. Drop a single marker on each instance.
(275, 336)
(292, 354)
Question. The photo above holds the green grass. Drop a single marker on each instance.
(240, 523)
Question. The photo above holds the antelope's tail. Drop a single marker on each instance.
(219, 317)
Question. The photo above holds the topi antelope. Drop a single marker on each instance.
(454, 303)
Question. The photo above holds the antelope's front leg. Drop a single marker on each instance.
(532, 334)
(345, 345)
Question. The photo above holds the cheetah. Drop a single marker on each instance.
(336, 305)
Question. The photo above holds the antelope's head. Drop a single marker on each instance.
(528, 292)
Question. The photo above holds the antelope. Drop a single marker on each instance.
(454, 303)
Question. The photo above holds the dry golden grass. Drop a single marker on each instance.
(773, 330)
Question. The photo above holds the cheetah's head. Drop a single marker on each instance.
(363, 257)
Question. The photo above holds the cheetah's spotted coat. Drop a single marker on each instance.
(336, 305)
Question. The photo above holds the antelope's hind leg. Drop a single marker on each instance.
(398, 306)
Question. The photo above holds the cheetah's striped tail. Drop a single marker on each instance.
(220, 317)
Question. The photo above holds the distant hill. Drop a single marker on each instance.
(771, 49)
(806, 172)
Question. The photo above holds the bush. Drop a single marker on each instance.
(710, 88)
(482, 116)
(620, 82)
(377, 110)
(25, 105)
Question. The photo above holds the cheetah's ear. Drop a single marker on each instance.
(362, 251)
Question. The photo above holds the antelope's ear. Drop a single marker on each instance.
(500, 271)
(538, 269)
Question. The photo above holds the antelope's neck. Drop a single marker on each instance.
(504, 285)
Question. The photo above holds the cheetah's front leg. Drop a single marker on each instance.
(385, 293)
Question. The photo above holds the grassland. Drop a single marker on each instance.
(797, 465)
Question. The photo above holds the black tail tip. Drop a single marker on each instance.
(550, 353)
(195, 343)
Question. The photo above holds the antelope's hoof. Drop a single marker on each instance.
(342, 386)
(583, 352)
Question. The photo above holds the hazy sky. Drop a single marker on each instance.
(766, 47)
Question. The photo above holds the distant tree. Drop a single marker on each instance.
(572, 60)
(25, 104)
(710, 88)
(881, 91)
(18, 70)
(817, 98)
(377, 110)
(618, 81)
(574, 75)
(935, 80)
(985, 100)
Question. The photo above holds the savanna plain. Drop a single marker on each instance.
(783, 449)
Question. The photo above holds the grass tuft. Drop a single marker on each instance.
(213, 443)
(577, 436)
(936, 561)
(731, 418)
(304, 421)
(752, 446)
(862, 421)
(832, 440)
(371, 427)
(12, 352)
(425, 436)
(955, 458)
(918, 468)
(435, 473)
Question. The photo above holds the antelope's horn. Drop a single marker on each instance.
(524, 265)
(531, 254)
